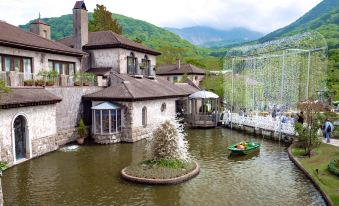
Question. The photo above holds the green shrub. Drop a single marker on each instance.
(29, 82)
(3, 166)
(82, 130)
(333, 167)
(173, 164)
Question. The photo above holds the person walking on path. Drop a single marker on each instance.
(301, 118)
(328, 129)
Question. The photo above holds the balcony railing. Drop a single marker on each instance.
(139, 70)
(17, 79)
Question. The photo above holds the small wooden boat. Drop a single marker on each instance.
(244, 148)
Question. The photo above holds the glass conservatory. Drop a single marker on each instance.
(106, 119)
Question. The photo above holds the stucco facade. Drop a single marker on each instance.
(116, 58)
(40, 59)
(131, 119)
(195, 78)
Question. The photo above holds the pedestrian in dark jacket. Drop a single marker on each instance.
(301, 118)
(328, 129)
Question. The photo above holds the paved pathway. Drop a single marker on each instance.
(334, 142)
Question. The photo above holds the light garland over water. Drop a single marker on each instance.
(276, 74)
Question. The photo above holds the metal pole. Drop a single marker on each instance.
(282, 79)
(232, 93)
(308, 74)
(254, 68)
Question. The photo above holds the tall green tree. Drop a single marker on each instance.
(170, 54)
(103, 21)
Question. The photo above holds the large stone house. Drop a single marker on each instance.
(135, 99)
(129, 101)
(31, 117)
(175, 73)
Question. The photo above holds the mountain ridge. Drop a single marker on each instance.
(209, 37)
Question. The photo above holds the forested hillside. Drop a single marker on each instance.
(171, 45)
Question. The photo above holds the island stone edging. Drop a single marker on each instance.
(175, 180)
(299, 165)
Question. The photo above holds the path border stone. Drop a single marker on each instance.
(308, 175)
(170, 181)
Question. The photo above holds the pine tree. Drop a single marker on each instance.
(103, 21)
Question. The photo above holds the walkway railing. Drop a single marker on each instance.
(279, 124)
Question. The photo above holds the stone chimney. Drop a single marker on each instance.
(80, 24)
(40, 28)
(178, 63)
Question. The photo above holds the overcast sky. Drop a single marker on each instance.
(258, 15)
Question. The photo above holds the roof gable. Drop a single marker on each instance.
(13, 36)
(109, 39)
(80, 5)
(133, 89)
(23, 97)
(171, 69)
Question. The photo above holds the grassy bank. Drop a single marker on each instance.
(328, 182)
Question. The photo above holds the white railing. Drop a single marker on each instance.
(266, 123)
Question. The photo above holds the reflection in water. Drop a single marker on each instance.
(91, 176)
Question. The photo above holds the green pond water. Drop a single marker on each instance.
(91, 176)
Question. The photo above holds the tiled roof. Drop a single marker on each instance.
(39, 21)
(79, 5)
(172, 69)
(100, 71)
(22, 97)
(109, 39)
(13, 36)
(131, 88)
(187, 87)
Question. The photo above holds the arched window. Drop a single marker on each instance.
(163, 107)
(20, 139)
(146, 65)
(144, 116)
(131, 64)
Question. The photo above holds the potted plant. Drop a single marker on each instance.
(77, 83)
(40, 82)
(82, 132)
(29, 82)
(50, 83)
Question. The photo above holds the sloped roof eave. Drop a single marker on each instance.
(41, 49)
(119, 45)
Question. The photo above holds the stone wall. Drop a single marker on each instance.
(107, 139)
(48, 126)
(41, 123)
(69, 110)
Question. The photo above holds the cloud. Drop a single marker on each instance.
(259, 15)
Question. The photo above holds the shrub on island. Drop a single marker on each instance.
(170, 159)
